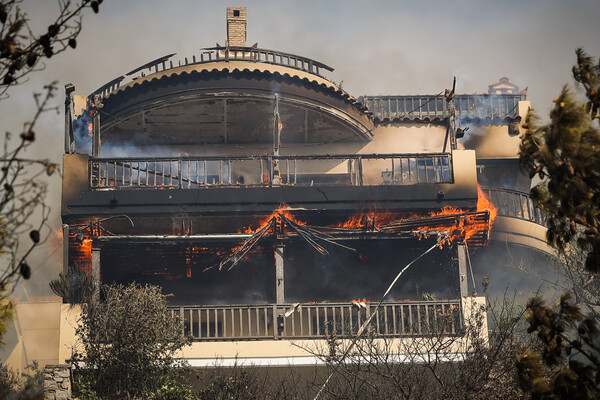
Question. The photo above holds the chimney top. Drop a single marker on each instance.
(236, 27)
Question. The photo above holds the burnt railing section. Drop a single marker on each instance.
(515, 204)
(435, 107)
(224, 54)
(204, 172)
(312, 320)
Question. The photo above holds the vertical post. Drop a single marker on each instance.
(279, 276)
(65, 232)
(462, 270)
(451, 130)
(69, 137)
(279, 271)
(95, 110)
(96, 273)
(360, 172)
(276, 140)
(96, 134)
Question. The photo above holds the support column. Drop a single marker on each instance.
(96, 140)
(96, 273)
(69, 139)
(279, 278)
(462, 270)
(65, 233)
(276, 177)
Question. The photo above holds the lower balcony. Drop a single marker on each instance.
(318, 320)
(229, 335)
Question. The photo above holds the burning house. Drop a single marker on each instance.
(275, 206)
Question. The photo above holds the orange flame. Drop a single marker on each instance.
(283, 209)
(368, 219)
(484, 204)
(86, 248)
(363, 300)
(58, 233)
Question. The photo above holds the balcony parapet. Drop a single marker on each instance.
(515, 204)
(268, 171)
(315, 320)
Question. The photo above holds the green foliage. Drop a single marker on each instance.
(588, 75)
(174, 390)
(568, 367)
(129, 340)
(239, 384)
(565, 154)
(82, 388)
(30, 386)
(7, 310)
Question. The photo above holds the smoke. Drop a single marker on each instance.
(513, 270)
(81, 133)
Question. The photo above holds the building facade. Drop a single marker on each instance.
(277, 208)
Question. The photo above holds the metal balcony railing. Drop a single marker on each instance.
(248, 54)
(468, 106)
(204, 172)
(515, 204)
(393, 319)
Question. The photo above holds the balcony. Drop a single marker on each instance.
(515, 204)
(312, 320)
(268, 171)
(218, 185)
(519, 220)
(434, 108)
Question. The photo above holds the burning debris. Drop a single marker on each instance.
(454, 224)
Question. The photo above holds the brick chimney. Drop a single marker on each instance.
(236, 27)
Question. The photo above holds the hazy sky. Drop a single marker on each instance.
(376, 47)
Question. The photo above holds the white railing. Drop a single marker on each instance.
(315, 320)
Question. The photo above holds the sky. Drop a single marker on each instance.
(375, 47)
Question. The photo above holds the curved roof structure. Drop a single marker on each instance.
(228, 97)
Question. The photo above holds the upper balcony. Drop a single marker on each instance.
(481, 108)
(242, 184)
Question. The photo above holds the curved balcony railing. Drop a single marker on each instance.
(314, 320)
(248, 54)
(266, 171)
(515, 204)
